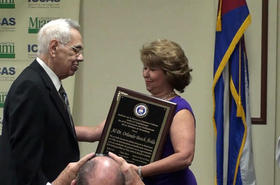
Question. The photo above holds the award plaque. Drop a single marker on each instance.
(136, 127)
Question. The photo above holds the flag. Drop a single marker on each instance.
(231, 117)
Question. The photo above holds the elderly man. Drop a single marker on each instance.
(39, 139)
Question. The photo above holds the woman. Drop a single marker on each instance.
(166, 70)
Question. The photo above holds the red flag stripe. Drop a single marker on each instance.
(228, 5)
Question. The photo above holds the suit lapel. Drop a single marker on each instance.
(61, 108)
(54, 96)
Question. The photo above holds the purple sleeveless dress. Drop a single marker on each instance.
(182, 177)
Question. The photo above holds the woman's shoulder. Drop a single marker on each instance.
(182, 104)
(181, 101)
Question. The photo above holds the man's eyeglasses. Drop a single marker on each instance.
(78, 50)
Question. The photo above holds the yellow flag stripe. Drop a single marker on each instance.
(243, 117)
(219, 17)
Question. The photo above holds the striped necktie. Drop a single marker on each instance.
(64, 97)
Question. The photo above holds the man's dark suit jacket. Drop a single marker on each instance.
(37, 142)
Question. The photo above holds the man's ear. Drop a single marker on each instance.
(74, 182)
(53, 47)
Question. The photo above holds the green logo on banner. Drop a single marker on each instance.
(7, 50)
(2, 99)
(7, 3)
(36, 23)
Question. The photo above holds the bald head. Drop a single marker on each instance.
(101, 170)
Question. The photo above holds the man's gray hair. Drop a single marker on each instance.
(58, 29)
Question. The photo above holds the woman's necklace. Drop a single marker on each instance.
(169, 95)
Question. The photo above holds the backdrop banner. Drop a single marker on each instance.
(20, 22)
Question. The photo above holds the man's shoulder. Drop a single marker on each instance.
(28, 78)
(31, 72)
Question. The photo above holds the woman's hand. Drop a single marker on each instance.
(129, 171)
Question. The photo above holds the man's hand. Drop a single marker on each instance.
(71, 170)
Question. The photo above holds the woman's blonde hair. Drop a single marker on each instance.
(170, 57)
